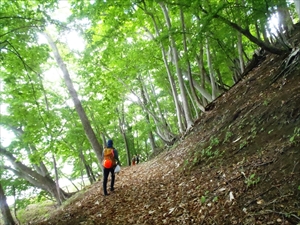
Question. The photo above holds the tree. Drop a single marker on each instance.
(174, 52)
(44, 182)
(78, 106)
(246, 32)
(297, 6)
(7, 217)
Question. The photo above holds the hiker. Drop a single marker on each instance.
(110, 161)
(137, 159)
(133, 160)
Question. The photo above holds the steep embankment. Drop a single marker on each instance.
(239, 165)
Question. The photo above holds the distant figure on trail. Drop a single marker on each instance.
(137, 159)
(110, 161)
(133, 160)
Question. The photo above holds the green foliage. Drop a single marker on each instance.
(295, 135)
(243, 144)
(254, 130)
(251, 180)
(228, 135)
(266, 102)
(203, 198)
(214, 141)
(215, 199)
(207, 152)
(210, 151)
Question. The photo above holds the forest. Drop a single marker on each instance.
(75, 73)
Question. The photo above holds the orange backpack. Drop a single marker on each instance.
(108, 158)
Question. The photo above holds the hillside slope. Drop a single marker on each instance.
(239, 165)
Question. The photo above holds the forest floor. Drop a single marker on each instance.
(239, 164)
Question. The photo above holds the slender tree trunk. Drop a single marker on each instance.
(163, 124)
(78, 106)
(211, 71)
(196, 109)
(103, 139)
(7, 216)
(163, 129)
(240, 46)
(122, 125)
(194, 96)
(151, 138)
(185, 105)
(203, 92)
(297, 6)
(201, 88)
(56, 180)
(158, 107)
(15, 204)
(147, 117)
(88, 170)
(68, 178)
(170, 77)
(240, 52)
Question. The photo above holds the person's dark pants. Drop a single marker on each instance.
(105, 178)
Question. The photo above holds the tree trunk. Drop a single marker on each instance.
(196, 109)
(211, 71)
(123, 132)
(151, 138)
(56, 180)
(297, 6)
(40, 167)
(184, 100)
(163, 129)
(189, 71)
(203, 92)
(7, 217)
(147, 117)
(170, 77)
(205, 95)
(160, 120)
(46, 183)
(88, 169)
(172, 84)
(78, 106)
(240, 52)
(15, 205)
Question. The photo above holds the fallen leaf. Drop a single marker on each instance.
(171, 210)
(231, 197)
(260, 202)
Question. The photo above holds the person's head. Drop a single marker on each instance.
(110, 143)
